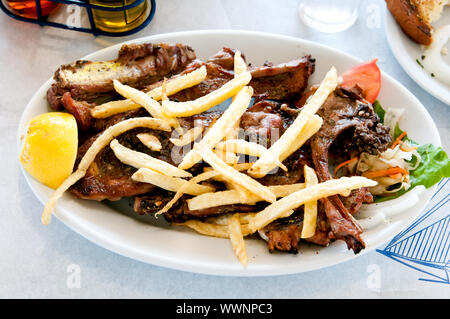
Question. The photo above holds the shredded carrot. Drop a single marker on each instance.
(395, 176)
(385, 172)
(398, 140)
(343, 164)
(408, 149)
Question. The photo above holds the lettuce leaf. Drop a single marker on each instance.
(379, 110)
(434, 166)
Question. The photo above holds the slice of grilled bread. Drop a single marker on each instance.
(415, 17)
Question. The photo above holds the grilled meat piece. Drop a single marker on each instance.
(285, 234)
(149, 204)
(356, 199)
(346, 115)
(342, 223)
(80, 110)
(295, 164)
(284, 81)
(137, 65)
(180, 212)
(274, 82)
(108, 178)
(280, 82)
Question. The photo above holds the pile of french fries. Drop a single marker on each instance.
(219, 148)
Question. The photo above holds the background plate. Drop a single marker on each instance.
(155, 242)
(407, 52)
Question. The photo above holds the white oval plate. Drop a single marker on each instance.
(157, 243)
(406, 51)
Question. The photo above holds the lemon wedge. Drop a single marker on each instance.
(50, 148)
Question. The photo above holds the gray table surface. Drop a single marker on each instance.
(36, 261)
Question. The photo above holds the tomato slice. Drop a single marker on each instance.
(368, 77)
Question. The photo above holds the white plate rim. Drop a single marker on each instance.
(193, 267)
(395, 36)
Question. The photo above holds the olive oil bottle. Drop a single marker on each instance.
(119, 21)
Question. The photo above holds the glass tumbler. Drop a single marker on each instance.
(329, 15)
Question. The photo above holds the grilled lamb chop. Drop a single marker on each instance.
(261, 118)
(285, 234)
(181, 212)
(108, 178)
(137, 65)
(346, 115)
(149, 204)
(80, 110)
(280, 82)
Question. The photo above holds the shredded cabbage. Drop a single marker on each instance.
(390, 158)
(400, 156)
(391, 118)
(426, 165)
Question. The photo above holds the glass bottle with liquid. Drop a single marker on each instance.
(27, 8)
(119, 21)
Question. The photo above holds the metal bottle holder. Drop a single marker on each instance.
(42, 21)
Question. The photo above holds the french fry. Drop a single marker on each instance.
(283, 145)
(142, 160)
(342, 186)
(233, 132)
(240, 166)
(244, 147)
(228, 157)
(108, 109)
(181, 191)
(204, 103)
(216, 132)
(239, 67)
(243, 180)
(237, 239)
(244, 218)
(187, 137)
(57, 194)
(229, 184)
(206, 229)
(310, 210)
(173, 86)
(223, 219)
(141, 98)
(164, 96)
(232, 196)
(285, 190)
(169, 183)
(92, 152)
(239, 64)
(150, 140)
(208, 174)
(311, 128)
(180, 83)
(212, 230)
